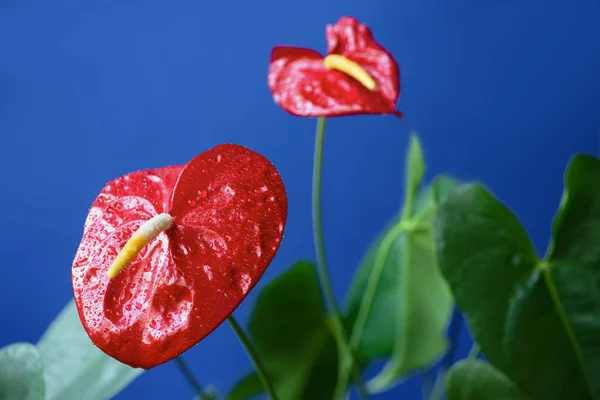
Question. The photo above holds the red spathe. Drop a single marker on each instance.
(229, 207)
(303, 86)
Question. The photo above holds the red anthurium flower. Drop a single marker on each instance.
(168, 254)
(358, 76)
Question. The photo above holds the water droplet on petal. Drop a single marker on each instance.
(244, 283)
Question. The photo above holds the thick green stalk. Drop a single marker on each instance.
(254, 356)
(347, 356)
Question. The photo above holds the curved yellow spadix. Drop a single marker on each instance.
(145, 233)
(349, 67)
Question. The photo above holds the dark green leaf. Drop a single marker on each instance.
(536, 321)
(74, 367)
(21, 372)
(290, 329)
(247, 387)
(477, 380)
(407, 300)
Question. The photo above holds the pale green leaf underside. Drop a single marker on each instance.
(21, 372)
(74, 367)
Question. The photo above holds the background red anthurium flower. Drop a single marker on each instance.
(303, 85)
(228, 207)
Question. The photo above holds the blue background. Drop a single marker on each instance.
(503, 91)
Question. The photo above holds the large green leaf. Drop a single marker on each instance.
(408, 304)
(477, 380)
(21, 372)
(290, 329)
(74, 367)
(536, 321)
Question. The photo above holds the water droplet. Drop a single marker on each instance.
(138, 306)
(210, 160)
(218, 158)
(244, 282)
(184, 249)
(192, 203)
(208, 272)
(128, 307)
(153, 324)
(127, 295)
(202, 193)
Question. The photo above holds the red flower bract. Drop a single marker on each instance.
(303, 86)
(229, 209)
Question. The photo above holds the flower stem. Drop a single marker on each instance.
(190, 378)
(347, 356)
(253, 353)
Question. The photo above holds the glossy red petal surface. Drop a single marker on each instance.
(302, 86)
(229, 207)
(354, 40)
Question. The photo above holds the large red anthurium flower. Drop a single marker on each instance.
(358, 76)
(168, 254)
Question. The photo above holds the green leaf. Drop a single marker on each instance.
(477, 380)
(21, 372)
(290, 329)
(536, 321)
(249, 386)
(415, 165)
(408, 304)
(74, 367)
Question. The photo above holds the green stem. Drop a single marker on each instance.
(190, 378)
(347, 357)
(253, 353)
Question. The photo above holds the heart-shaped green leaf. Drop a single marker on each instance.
(407, 302)
(74, 367)
(290, 329)
(477, 380)
(399, 305)
(536, 321)
(398, 293)
(21, 372)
